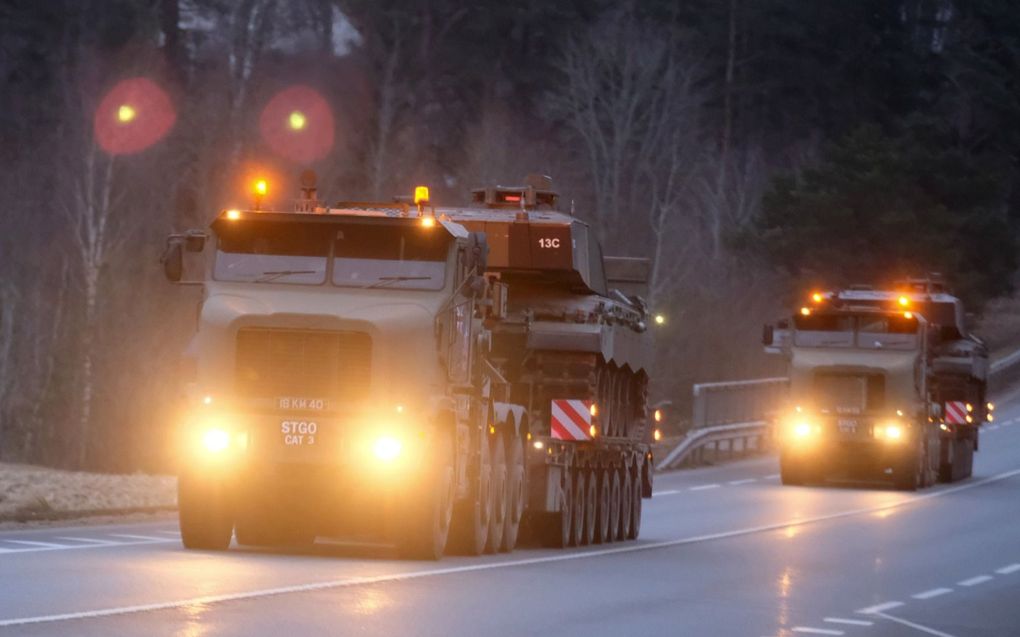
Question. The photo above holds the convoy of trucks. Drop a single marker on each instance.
(455, 378)
(882, 382)
(443, 378)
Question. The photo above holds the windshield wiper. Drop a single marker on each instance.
(386, 280)
(272, 275)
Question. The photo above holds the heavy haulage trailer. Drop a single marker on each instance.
(877, 387)
(443, 378)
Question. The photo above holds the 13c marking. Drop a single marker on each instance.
(548, 243)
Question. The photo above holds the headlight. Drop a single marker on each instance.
(801, 430)
(386, 448)
(891, 432)
(215, 440)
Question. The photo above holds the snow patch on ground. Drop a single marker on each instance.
(31, 489)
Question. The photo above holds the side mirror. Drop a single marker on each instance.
(194, 240)
(477, 286)
(478, 252)
(768, 333)
(173, 261)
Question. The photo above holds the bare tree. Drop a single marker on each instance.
(97, 232)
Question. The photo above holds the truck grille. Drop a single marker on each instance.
(275, 363)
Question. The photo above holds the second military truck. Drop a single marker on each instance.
(443, 378)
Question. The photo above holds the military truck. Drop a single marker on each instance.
(859, 402)
(442, 378)
(959, 363)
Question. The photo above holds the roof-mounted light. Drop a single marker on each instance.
(421, 195)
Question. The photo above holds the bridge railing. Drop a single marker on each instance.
(735, 417)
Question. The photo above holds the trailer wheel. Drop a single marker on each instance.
(635, 503)
(591, 498)
(626, 506)
(557, 528)
(205, 513)
(614, 504)
(426, 529)
(500, 504)
(602, 512)
(580, 499)
(515, 488)
(471, 518)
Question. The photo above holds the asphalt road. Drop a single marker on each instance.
(724, 551)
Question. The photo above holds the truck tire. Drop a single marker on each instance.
(614, 504)
(580, 499)
(909, 475)
(791, 472)
(500, 501)
(426, 530)
(205, 513)
(636, 506)
(602, 512)
(254, 525)
(471, 518)
(591, 499)
(516, 494)
(626, 506)
(557, 528)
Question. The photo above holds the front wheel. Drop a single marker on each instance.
(427, 527)
(791, 472)
(205, 513)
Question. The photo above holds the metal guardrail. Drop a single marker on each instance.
(728, 413)
(739, 411)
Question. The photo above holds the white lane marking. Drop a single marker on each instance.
(147, 538)
(671, 492)
(807, 630)
(974, 581)
(80, 547)
(87, 540)
(904, 622)
(1006, 570)
(737, 483)
(878, 608)
(991, 427)
(31, 543)
(488, 566)
(848, 622)
(935, 592)
(702, 487)
(173, 533)
(771, 476)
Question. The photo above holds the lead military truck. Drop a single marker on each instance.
(443, 378)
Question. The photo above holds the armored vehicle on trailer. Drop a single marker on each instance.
(439, 377)
(859, 403)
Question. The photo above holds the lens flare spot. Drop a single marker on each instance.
(132, 116)
(297, 124)
(126, 113)
(297, 120)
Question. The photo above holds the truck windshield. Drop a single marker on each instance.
(268, 252)
(849, 393)
(387, 256)
(870, 331)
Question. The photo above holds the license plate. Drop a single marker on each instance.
(299, 433)
(304, 404)
(847, 426)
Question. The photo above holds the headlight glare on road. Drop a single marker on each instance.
(387, 448)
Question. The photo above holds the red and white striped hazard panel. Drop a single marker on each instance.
(570, 419)
(956, 412)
